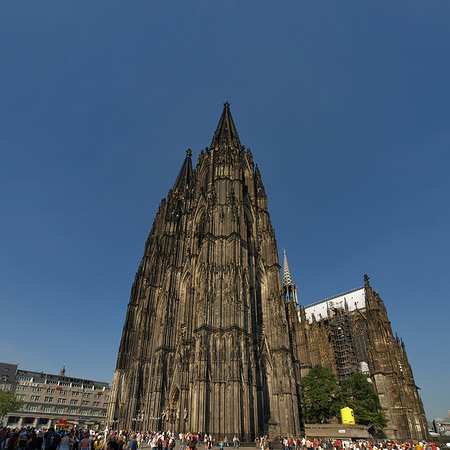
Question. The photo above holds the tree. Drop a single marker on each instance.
(321, 393)
(359, 394)
(8, 403)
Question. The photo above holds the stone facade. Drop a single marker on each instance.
(206, 344)
(214, 342)
(355, 334)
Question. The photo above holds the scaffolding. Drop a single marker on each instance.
(343, 342)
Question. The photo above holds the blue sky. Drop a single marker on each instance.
(345, 105)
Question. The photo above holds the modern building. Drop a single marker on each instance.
(214, 342)
(442, 426)
(47, 398)
(8, 376)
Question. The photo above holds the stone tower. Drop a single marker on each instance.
(206, 344)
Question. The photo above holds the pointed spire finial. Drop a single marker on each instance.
(185, 174)
(226, 134)
(287, 279)
(289, 288)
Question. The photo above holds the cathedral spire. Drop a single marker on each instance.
(226, 133)
(185, 175)
(287, 279)
(289, 288)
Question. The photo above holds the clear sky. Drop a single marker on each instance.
(345, 105)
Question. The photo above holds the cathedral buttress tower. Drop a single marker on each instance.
(205, 345)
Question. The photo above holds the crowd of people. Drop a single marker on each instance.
(345, 444)
(67, 438)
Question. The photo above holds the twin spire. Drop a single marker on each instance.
(226, 133)
(185, 175)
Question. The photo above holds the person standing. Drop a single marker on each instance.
(132, 444)
(65, 442)
(85, 443)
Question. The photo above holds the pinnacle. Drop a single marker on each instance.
(226, 134)
(287, 279)
(185, 175)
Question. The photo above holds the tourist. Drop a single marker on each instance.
(85, 443)
(132, 445)
(66, 442)
(113, 444)
(12, 442)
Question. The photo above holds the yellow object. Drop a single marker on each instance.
(347, 415)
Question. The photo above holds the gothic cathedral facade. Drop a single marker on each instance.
(213, 340)
(206, 344)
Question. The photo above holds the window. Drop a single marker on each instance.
(61, 400)
(106, 397)
(48, 399)
(85, 403)
(21, 387)
(34, 398)
(95, 412)
(46, 409)
(32, 408)
(73, 402)
(96, 404)
(75, 393)
(20, 396)
(72, 411)
(84, 412)
(105, 405)
(50, 391)
(37, 389)
(51, 382)
(103, 413)
(85, 394)
(60, 410)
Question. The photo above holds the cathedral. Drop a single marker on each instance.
(215, 341)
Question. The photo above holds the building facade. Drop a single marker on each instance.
(205, 346)
(8, 374)
(352, 333)
(214, 342)
(47, 398)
